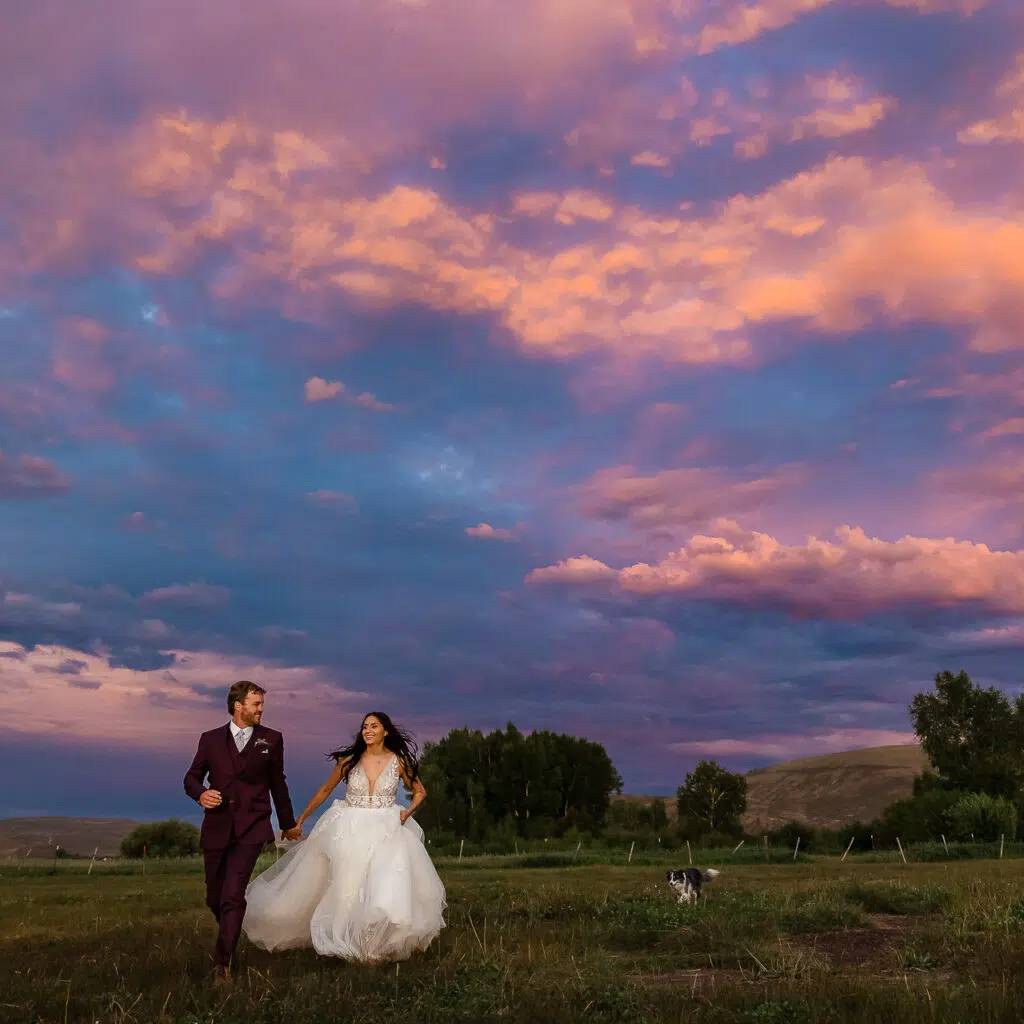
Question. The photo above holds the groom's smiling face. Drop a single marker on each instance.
(249, 711)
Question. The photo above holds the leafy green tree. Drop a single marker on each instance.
(712, 799)
(974, 737)
(172, 838)
(538, 785)
(982, 817)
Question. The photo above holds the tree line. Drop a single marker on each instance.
(507, 785)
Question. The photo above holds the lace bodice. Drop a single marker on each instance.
(385, 788)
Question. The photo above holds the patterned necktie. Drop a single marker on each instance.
(240, 740)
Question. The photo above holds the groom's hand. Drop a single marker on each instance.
(292, 833)
(210, 798)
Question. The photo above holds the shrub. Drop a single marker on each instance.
(172, 838)
(787, 835)
(918, 818)
(982, 817)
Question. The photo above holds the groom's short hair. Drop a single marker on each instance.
(241, 690)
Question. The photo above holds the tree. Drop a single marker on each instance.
(536, 785)
(172, 838)
(973, 737)
(712, 798)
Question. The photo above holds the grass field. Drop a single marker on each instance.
(786, 943)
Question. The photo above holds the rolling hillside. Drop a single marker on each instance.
(826, 791)
(833, 789)
(37, 837)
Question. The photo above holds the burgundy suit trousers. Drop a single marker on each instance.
(227, 874)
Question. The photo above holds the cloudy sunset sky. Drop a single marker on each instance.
(649, 370)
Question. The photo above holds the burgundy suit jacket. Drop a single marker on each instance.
(246, 782)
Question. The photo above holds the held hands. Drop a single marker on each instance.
(293, 833)
(210, 798)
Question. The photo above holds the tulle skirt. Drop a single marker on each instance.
(361, 887)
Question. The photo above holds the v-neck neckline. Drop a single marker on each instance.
(372, 786)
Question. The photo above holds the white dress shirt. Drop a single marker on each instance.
(244, 733)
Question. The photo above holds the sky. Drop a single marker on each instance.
(648, 370)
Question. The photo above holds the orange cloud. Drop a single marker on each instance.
(855, 576)
(676, 286)
(319, 390)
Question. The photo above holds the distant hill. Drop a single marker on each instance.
(828, 791)
(833, 789)
(19, 836)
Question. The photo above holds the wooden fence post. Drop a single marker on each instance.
(900, 846)
(738, 845)
(1002, 836)
(849, 846)
(796, 849)
(93, 861)
(689, 852)
(945, 845)
(629, 859)
(462, 843)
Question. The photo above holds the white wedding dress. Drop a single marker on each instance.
(361, 887)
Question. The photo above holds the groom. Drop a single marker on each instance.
(245, 764)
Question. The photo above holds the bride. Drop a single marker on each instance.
(362, 886)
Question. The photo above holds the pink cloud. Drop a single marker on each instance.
(739, 21)
(1011, 427)
(998, 480)
(80, 359)
(787, 746)
(319, 390)
(679, 497)
(855, 576)
(30, 476)
(118, 707)
(484, 531)
(1006, 123)
(189, 595)
(336, 500)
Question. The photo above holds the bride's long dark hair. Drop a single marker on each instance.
(396, 739)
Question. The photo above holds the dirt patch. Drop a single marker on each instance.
(865, 947)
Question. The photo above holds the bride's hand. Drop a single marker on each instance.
(405, 814)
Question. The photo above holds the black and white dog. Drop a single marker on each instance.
(687, 882)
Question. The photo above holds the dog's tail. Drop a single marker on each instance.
(710, 874)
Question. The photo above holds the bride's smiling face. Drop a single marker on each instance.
(373, 731)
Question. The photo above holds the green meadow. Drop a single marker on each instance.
(543, 939)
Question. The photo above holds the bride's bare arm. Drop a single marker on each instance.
(323, 792)
(418, 790)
